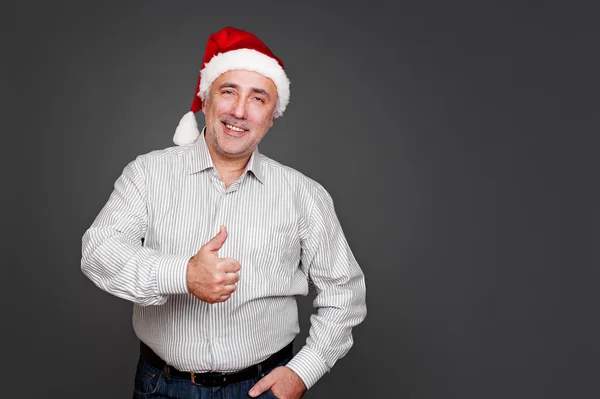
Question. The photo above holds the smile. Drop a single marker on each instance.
(234, 128)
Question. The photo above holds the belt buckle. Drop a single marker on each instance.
(193, 379)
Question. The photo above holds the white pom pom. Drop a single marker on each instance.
(187, 130)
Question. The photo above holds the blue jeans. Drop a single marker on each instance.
(153, 383)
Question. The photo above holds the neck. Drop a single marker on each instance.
(230, 169)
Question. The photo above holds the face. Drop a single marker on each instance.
(239, 110)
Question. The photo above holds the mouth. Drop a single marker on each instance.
(233, 129)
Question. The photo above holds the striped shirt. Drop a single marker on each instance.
(283, 230)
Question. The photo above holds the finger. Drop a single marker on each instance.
(231, 278)
(223, 298)
(217, 241)
(263, 385)
(229, 289)
(230, 265)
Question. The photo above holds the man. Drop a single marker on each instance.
(212, 240)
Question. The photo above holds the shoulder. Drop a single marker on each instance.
(298, 182)
(159, 165)
(170, 158)
(169, 154)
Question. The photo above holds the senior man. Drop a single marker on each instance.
(212, 240)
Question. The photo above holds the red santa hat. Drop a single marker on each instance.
(226, 50)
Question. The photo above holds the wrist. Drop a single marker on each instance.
(188, 274)
(297, 379)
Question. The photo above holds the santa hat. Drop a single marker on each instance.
(232, 49)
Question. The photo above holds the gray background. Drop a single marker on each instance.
(459, 142)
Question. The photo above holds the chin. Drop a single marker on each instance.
(233, 150)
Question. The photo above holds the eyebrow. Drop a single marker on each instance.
(253, 89)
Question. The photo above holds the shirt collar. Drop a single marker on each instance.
(200, 159)
(255, 166)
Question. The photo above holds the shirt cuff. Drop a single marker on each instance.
(308, 365)
(171, 276)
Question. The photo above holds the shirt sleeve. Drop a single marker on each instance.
(113, 256)
(340, 292)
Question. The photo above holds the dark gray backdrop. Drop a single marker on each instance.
(457, 140)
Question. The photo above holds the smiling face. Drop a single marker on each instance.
(238, 110)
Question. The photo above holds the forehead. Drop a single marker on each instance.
(246, 80)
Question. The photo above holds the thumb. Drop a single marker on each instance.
(263, 385)
(217, 241)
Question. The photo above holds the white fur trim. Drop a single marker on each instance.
(187, 130)
(247, 60)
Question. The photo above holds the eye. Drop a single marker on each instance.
(227, 92)
(259, 99)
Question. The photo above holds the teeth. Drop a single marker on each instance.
(235, 129)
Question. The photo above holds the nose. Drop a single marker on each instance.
(239, 108)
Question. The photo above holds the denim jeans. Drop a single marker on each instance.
(153, 383)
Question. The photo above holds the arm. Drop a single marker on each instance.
(112, 253)
(340, 287)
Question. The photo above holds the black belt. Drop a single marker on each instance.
(216, 379)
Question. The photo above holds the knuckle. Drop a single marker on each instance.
(218, 278)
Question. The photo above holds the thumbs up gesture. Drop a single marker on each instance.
(210, 278)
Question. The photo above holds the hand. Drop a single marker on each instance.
(282, 381)
(210, 278)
